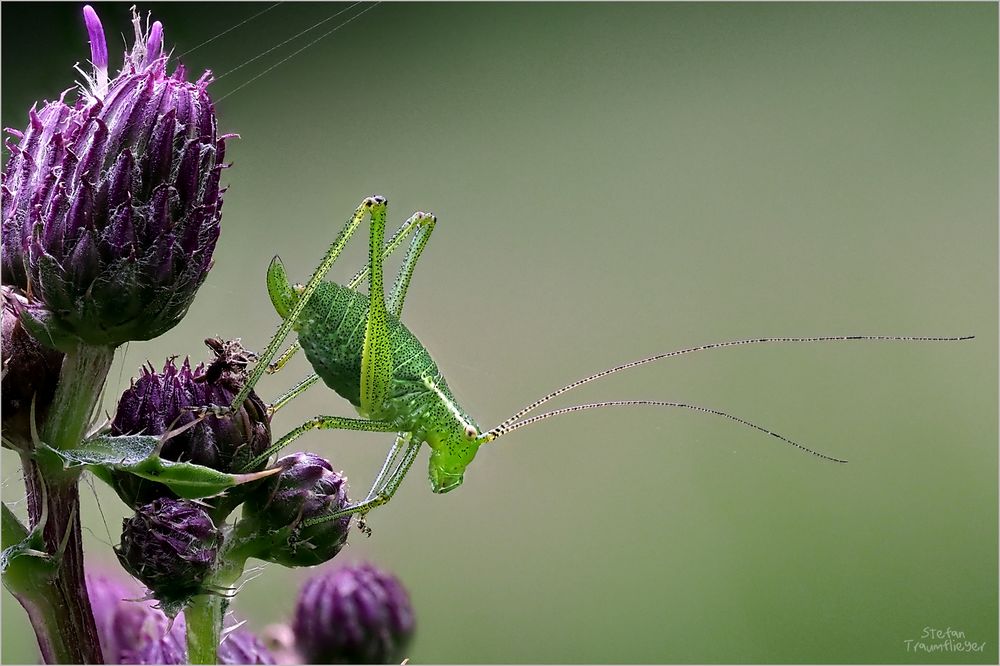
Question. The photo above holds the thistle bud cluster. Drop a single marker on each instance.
(110, 214)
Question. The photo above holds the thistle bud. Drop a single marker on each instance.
(171, 547)
(159, 402)
(353, 615)
(30, 372)
(111, 204)
(306, 488)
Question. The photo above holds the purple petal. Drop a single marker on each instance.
(84, 262)
(187, 175)
(159, 152)
(81, 211)
(94, 156)
(118, 238)
(154, 43)
(158, 223)
(120, 179)
(98, 47)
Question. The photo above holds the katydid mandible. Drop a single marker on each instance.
(358, 346)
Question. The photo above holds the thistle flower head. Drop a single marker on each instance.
(123, 625)
(30, 372)
(134, 632)
(241, 646)
(158, 402)
(169, 647)
(171, 546)
(353, 615)
(111, 204)
(306, 488)
(238, 646)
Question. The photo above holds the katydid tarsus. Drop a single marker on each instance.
(358, 346)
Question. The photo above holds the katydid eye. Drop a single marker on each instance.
(470, 432)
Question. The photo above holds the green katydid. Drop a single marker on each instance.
(358, 346)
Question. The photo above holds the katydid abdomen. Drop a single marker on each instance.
(332, 334)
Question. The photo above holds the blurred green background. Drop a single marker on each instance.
(612, 181)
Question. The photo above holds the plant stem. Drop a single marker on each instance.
(204, 628)
(25, 577)
(81, 381)
(54, 504)
(205, 614)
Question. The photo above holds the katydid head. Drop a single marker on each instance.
(453, 436)
(452, 450)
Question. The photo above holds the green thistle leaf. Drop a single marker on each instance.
(139, 455)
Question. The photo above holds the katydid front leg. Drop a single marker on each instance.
(382, 497)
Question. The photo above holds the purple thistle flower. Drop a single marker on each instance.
(169, 648)
(116, 618)
(134, 632)
(30, 372)
(307, 487)
(353, 615)
(171, 547)
(238, 646)
(111, 204)
(241, 646)
(123, 624)
(156, 403)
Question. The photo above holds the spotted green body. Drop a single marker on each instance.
(332, 334)
(331, 330)
(358, 346)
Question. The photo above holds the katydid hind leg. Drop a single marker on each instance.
(376, 357)
(285, 357)
(424, 227)
(391, 246)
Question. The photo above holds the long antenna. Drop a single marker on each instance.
(507, 425)
(664, 403)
